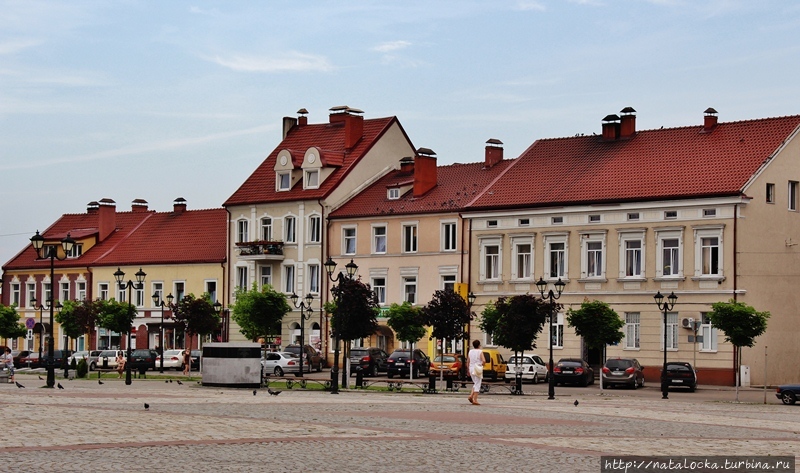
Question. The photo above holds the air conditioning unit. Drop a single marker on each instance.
(687, 322)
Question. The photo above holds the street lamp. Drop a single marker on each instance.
(122, 284)
(465, 345)
(351, 269)
(541, 284)
(38, 244)
(305, 313)
(665, 307)
(158, 302)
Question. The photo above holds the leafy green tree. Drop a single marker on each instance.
(519, 322)
(407, 321)
(490, 317)
(597, 323)
(77, 318)
(741, 323)
(115, 316)
(259, 312)
(10, 327)
(447, 313)
(356, 310)
(197, 315)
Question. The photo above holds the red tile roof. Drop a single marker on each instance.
(149, 237)
(457, 185)
(659, 164)
(330, 139)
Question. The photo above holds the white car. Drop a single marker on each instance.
(281, 362)
(82, 355)
(173, 359)
(105, 356)
(533, 368)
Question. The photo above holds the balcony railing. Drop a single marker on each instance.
(260, 247)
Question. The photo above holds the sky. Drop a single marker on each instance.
(157, 100)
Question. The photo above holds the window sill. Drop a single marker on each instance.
(632, 279)
(632, 349)
(490, 281)
(718, 279)
(669, 278)
(591, 280)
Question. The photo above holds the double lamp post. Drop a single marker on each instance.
(158, 302)
(122, 284)
(665, 306)
(541, 285)
(305, 313)
(351, 269)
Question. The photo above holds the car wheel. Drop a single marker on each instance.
(641, 385)
(692, 388)
(374, 371)
(278, 371)
(606, 386)
(788, 397)
(584, 382)
(535, 378)
(494, 376)
(390, 375)
(92, 366)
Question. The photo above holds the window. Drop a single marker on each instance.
(379, 288)
(266, 229)
(709, 334)
(288, 279)
(449, 236)
(491, 223)
(556, 252)
(158, 290)
(709, 212)
(491, 262)
(241, 278)
(75, 251)
(594, 259)
(15, 292)
(121, 294)
(349, 241)
(211, 290)
(102, 291)
(242, 231)
(524, 222)
(793, 195)
(393, 194)
(80, 290)
(410, 238)
(312, 179)
(265, 275)
(179, 290)
(770, 193)
(557, 332)
(313, 278)
(47, 294)
(522, 259)
(290, 230)
(64, 292)
(632, 330)
(672, 331)
(633, 258)
(670, 257)
(594, 218)
(633, 216)
(30, 290)
(670, 214)
(379, 239)
(410, 289)
(314, 229)
(557, 220)
(284, 181)
(710, 256)
(139, 296)
(449, 282)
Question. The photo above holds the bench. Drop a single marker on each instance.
(4, 376)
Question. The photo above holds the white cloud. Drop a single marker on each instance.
(202, 11)
(289, 62)
(391, 46)
(17, 45)
(530, 5)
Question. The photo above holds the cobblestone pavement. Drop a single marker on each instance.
(87, 427)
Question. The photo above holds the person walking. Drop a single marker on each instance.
(475, 370)
(8, 361)
(187, 361)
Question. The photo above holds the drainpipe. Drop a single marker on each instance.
(735, 271)
(227, 326)
(323, 299)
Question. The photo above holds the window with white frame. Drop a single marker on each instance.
(410, 289)
(488, 339)
(242, 231)
(284, 180)
(448, 282)
(211, 290)
(288, 278)
(75, 251)
(490, 269)
(632, 256)
(668, 254)
(708, 251)
(80, 290)
(122, 293)
(15, 294)
(349, 240)
(158, 290)
(770, 193)
(313, 278)
(314, 229)
(139, 296)
(379, 239)
(449, 236)
(632, 330)
(290, 229)
(312, 178)
(555, 264)
(265, 275)
(30, 291)
(410, 238)
(241, 278)
(709, 334)
(266, 228)
(102, 291)
(47, 292)
(393, 193)
(179, 290)
(63, 292)
(522, 258)
(379, 288)
(672, 331)
(557, 332)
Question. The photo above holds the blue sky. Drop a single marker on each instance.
(158, 100)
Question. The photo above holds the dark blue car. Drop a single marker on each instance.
(788, 393)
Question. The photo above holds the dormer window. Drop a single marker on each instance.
(312, 179)
(284, 181)
(393, 194)
(75, 251)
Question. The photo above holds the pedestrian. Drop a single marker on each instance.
(187, 361)
(475, 370)
(120, 364)
(8, 361)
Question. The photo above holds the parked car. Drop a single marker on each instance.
(494, 367)
(788, 393)
(173, 359)
(281, 362)
(311, 357)
(681, 374)
(82, 355)
(143, 360)
(573, 371)
(533, 368)
(106, 359)
(401, 363)
(196, 354)
(18, 355)
(450, 363)
(31, 360)
(370, 360)
(622, 372)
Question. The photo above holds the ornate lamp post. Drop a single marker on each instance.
(158, 302)
(465, 345)
(305, 313)
(51, 253)
(541, 284)
(665, 306)
(139, 284)
(40, 307)
(351, 269)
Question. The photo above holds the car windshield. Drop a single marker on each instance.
(359, 353)
(569, 363)
(287, 354)
(295, 349)
(400, 353)
(522, 359)
(624, 364)
(678, 368)
(445, 359)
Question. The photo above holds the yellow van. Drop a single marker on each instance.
(494, 366)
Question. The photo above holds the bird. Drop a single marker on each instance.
(146, 406)
(255, 392)
(100, 382)
(166, 381)
(18, 385)
(576, 403)
(179, 382)
(170, 380)
(41, 377)
(273, 393)
(60, 386)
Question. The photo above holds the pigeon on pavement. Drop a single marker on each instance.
(18, 385)
(60, 386)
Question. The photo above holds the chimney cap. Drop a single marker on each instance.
(139, 201)
(494, 141)
(107, 201)
(407, 159)
(710, 111)
(339, 109)
(179, 200)
(93, 203)
(302, 111)
(425, 152)
(627, 110)
(611, 118)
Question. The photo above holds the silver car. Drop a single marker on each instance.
(281, 362)
(533, 368)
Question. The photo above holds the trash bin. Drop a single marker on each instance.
(232, 364)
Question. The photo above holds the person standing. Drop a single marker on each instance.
(475, 370)
(8, 361)
(187, 361)
(120, 364)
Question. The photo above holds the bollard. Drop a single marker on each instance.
(449, 384)
(359, 379)
(518, 383)
(432, 383)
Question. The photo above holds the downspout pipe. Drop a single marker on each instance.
(226, 300)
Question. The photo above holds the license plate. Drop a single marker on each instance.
(677, 380)
(567, 371)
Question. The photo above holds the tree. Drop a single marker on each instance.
(354, 314)
(490, 317)
(77, 318)
(197, 315)
(447, 313)
(115, 316)
(9, 323)
(407, 322)
(259, 312)
(597, 323)
(519, 321)
(741, 324)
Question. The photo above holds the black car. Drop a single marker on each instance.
(622, 372)
(311, 357)
(400, 363)
(573, 371)
(369, 360)
(788, 393)
(143, 360)
(196, 354)
(681, 374)
(33, 361)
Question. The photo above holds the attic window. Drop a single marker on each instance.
(393, 193)
(284, 181)
(709, 212)
(594, 218)
(670, 214)
(633, 215)
(557, 220)
(491, 223)
(76, 251)
(312, 179)
(524, 222)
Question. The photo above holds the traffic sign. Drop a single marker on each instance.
(30, 334)
(30, 322)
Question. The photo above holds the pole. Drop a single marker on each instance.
(161, 340)
(664, 385)
(765, 374)
(551, 385)
(128, 357)
(302, 339)
(335, 368)
(51, 369)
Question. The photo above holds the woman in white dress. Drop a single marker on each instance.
(475, 370)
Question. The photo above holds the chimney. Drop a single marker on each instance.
(610, 128)
(494, 152)
(407, 164)
(627, 126)
(353, 123)
(139, 205)
(288, 124)
(302, 120)
(424, 171)
(107, 218)
(709, 120)
(179, 206)
(92, 207)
